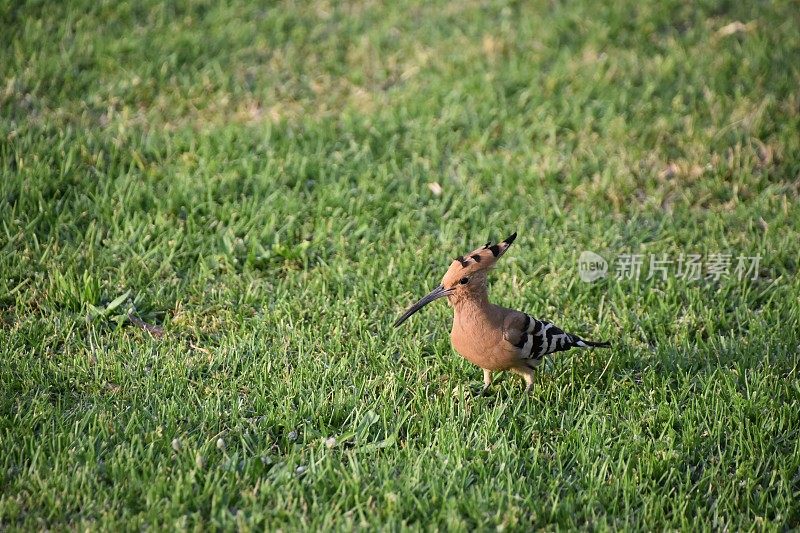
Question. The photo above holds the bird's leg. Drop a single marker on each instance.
(487, 380)
(527, 375)
(528, 381)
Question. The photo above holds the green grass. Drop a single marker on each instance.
(254, 180)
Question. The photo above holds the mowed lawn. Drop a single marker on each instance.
(210, 216)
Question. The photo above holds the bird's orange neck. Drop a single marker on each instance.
(464, 301)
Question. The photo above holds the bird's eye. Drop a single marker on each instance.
(464, 281)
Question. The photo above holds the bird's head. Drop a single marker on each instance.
(467, 274)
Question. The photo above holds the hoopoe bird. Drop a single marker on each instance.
(492, 337)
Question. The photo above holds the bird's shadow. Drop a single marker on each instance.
(567, 370)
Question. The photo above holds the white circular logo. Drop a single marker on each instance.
(591, 266)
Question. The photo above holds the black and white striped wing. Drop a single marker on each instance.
(538, 338)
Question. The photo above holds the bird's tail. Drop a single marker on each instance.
(591, 344)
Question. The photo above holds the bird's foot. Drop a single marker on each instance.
(479, 390)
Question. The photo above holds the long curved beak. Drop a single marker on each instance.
(435, 294)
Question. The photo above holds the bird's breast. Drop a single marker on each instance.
(480, 343)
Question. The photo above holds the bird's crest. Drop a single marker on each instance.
(484, 257)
